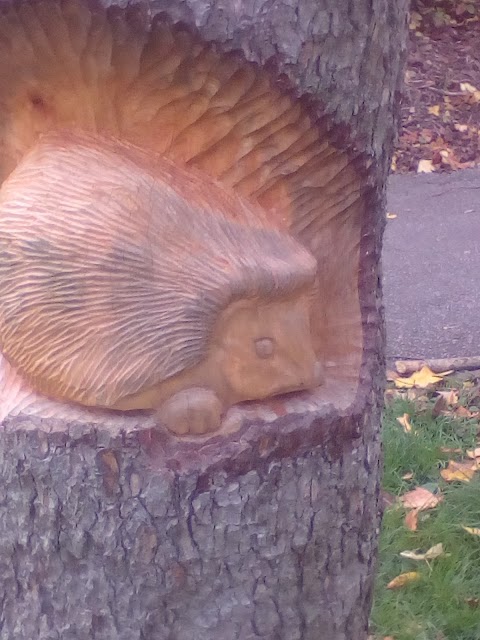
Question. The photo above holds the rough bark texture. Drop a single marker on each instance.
(269, 533)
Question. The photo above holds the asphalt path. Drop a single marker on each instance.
(431, 265)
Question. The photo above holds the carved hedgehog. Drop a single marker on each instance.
(127, 282)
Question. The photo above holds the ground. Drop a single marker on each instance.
(428, 585)
(440, 113)
(431, 442)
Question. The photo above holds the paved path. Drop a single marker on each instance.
(431, 264)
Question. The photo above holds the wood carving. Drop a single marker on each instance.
(246, 152)
(127, 282)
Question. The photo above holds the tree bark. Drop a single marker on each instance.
(267, 531)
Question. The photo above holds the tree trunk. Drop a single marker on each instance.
(116, 529)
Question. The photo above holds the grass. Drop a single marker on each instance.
(445, 603)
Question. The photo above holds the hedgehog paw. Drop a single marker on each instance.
(192, 411)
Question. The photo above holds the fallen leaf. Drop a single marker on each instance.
(458, 472)
(440, 18)
(420, 499)
(473, 603)
(463, 412)
(435, 552)
(405, 422)
(445, 399)
(450, 395)
(391, 216)
(474, 453)
(475, 531)
(466, 87)
(435, 110)
(471, 90)
(426, 135)
(425, 166)
(403, 579)
(437, 159)
(407, 476)
(473, 96)
(409, 75)
(415, 20)
(460, 127)
(422, 379)
(450, 450)
(411, 520)
(452, 162)
(431, 554)
(439, 143)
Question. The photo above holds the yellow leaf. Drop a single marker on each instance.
(422, 378)
(407, 476)
(475, 531)
(434, 552)
(458, 472)
(415, 20)
(474, 453)
(431, 554)
(391, 216)
(425, 166)
(471, 90)
(405, 422)
(403, 579)
(420, 499)
(460, 127)
(435, 110)
(466, 87)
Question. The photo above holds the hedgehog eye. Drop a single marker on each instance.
(264, 347)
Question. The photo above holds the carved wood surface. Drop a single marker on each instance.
(270, 532)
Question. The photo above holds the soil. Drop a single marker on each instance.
(440, 112)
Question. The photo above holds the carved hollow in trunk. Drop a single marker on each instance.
(126, 280)
(198, 110)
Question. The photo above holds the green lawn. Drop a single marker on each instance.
(444, 604)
